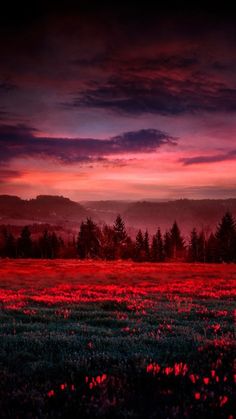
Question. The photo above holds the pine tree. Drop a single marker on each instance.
(55, 245)
(44, 245)
(107, 243)
(201, 247)
(157, 248)
(225, 235)
(88, 242)
(177, 242)
(212, 249)
(167, 245)
(120, 237)
(146, 246)
(25, 244)
(119, 230)
(154, 249)
(139, 247)
(160, 246)
(9, 244)
(193, 246)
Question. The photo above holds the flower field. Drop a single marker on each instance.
(117, 339)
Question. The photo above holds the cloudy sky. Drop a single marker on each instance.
(117, 103)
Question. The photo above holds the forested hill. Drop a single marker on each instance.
(44, 208)
(202, 214)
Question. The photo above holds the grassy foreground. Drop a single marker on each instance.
(116, 339)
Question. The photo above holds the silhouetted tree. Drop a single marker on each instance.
(146, 246)
(25, 244)
(9, 244)
(128, 250)
(88, 242)
(193, 246)
(160, 246)
(44, 245)
(154, 249)
(108, 243)
(211, 249)
(177, 241)
(119, 230)
(167, 245)
(56, 243)
(120, 237)
(226, 237)
(201, 247)
(139, 247)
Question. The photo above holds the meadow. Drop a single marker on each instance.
(116, 339)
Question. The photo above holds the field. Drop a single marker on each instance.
(121, 340)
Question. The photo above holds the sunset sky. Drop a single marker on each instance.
(112, 102)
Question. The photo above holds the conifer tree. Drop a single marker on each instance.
(139, 246)
(146, 246)
(211, 249)
(225, 235)
(177, 242)
(119, 230)
(88, 242)
(9, 244)
(107, 243)
(193, 246)
(154, 249)
(25, 244)
(160, 246)
(201, 247)
(167, 245)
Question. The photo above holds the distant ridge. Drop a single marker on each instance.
(46, 208)
(203, 213)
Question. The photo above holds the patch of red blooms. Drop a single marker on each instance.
(95, 381)
(223, 400)
(206, 380)
(177, 369)
(80, 282)
(51, 393)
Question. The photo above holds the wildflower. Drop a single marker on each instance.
(206, 380)
(223, 400)
(51, 393)
(192, 378)
(197, 396)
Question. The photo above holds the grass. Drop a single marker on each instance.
(95, 339)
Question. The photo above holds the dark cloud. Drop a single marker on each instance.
(23, 141)
(144, 140)
(119, 45)
(187, 161)
(162, 95)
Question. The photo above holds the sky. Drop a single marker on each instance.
(103, 101)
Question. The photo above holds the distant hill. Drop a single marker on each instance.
(57, 210)
(203, 214)
(106, 210)
(44, 208)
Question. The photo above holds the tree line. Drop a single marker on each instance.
(113, 242)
